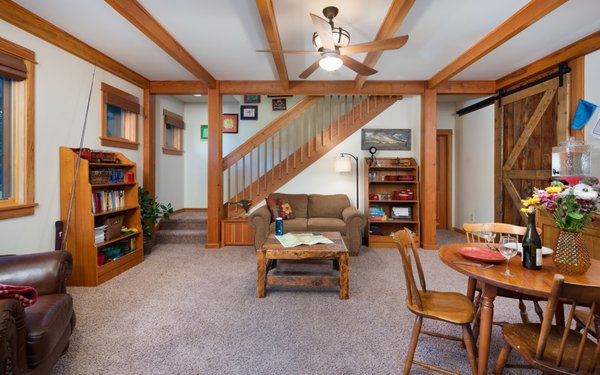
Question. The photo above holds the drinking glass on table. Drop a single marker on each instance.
(508, 249)
(487, 233)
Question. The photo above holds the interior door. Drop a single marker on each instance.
(528, 124)
(444, 178)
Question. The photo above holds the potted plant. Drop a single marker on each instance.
(151, 213)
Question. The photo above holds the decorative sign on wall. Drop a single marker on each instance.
(279, 104)
(386, 139)
(203, 131)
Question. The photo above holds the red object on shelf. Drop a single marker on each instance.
(483, 255)
(101, 259)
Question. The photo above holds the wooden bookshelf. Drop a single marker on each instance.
(81, 235)
(379, 181)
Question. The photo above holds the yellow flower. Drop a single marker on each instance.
(524, 209)
(533, 201)
(554, 189)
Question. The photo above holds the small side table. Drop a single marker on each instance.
(236, 231)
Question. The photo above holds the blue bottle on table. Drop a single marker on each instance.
(278, 226)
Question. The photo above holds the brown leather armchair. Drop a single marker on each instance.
(33, 338)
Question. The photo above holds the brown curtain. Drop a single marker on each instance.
(173, 119)
(12, 67)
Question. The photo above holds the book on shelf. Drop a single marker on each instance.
(106, 200)
(99, 234)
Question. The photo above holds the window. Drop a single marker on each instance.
(172, 133)
(16, 130)
(120, 112)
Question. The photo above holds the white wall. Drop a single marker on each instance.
(170, 174)
(474, 173)
(592, 94)
(62, 84)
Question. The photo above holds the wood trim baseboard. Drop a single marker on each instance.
(458, 230)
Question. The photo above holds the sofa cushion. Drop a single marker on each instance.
(298, 224)
(46, 322)
(327, 205)
(326, 224)
(299, 202)
(280, 208)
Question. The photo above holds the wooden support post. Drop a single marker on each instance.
(428, 169)
(215, 167)
(576, 92)
(149, 142)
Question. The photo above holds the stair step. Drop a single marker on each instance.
(181, 236)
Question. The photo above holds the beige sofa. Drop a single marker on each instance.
(313, 213)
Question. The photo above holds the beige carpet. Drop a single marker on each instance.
(189, 310)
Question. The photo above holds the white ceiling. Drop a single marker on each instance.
(224, 35)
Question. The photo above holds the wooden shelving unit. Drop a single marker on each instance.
(81, 236)
(380, 180)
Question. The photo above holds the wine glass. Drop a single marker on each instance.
(487, 233)
(508, 249)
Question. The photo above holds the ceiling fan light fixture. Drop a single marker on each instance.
(341, 38)
(330, 62)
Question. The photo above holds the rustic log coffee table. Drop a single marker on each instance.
(272, 250)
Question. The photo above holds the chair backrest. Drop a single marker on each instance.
(569, 358)
(472, 230)
(405, 242)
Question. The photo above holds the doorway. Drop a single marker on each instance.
(444, 179)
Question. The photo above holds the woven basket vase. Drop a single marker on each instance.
(571, 256)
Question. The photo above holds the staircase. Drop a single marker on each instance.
(183, 228)
(294, 141)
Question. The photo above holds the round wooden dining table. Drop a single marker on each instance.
(527, 282)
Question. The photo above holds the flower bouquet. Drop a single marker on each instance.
(571, 208)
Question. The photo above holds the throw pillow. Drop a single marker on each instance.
(280, 208)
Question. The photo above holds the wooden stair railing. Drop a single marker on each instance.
(295, 140)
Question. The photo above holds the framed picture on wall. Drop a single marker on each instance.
(249, 112)
(279, 104)
(203, 131)
(251, 99)
(386, 139)
(230, 123)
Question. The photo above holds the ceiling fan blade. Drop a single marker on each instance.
(310, 70)
(289, 51)
(376, 45)
(357, 66)
(323, 28)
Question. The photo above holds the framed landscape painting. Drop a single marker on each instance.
(251, 99)
(203, 132)
(386, 139)
(230, 123)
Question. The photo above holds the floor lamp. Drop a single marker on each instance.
(343, 164)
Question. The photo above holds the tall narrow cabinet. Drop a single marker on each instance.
(95, 203)
(392, 199)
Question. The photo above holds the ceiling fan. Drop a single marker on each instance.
(332, 43)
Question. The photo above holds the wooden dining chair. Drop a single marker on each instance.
(471, 230)
(450, 307)
(553, 349)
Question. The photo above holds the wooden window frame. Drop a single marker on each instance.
(176, 121)
(22, 201)
(129, 104)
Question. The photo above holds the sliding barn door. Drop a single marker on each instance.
(528, 124)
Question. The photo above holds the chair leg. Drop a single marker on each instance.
(523, 309)
(413, 344)
(538, 310)
(470, 346)
(502, 357)
(477, 319)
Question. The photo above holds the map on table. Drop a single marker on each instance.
(296, 239)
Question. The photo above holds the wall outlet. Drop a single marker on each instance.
(471, 218)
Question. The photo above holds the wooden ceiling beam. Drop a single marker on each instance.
(177, 87)
(137, 15)
(267, 16)
(580, 48)
(393, 19)
(526, 16)
(323, 88)
(467, 87)
(33, 24)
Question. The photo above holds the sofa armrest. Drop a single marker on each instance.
(355, 222)
(260, 220)
(13, 337)
(47, 272)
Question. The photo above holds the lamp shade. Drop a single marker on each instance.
(342, 164)
(330, 62)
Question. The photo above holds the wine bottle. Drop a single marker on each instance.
(532, 245)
